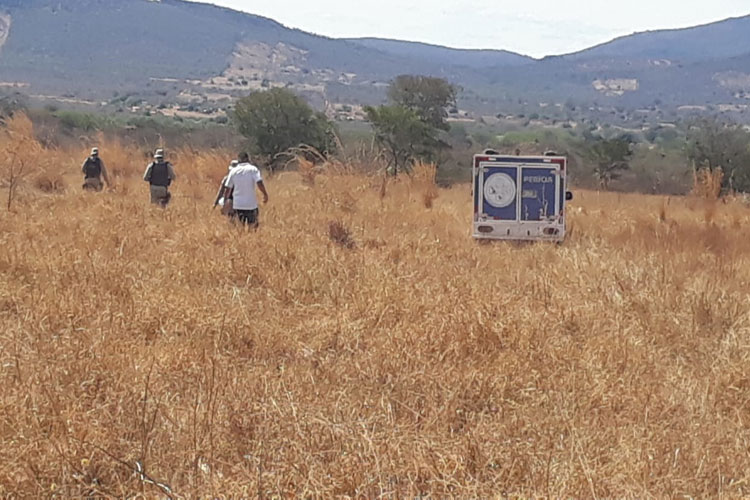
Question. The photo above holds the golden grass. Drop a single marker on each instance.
(362, 345)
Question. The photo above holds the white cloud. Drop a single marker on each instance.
(534, 27)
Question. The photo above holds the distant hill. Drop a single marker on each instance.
(133, 39)
(675, 67)
(199, 54)
(130, 41)
(445, 56)
(720, 40)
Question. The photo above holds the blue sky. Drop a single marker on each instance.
(532, 27)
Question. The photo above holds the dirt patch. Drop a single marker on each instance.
(174, 111)
(4, 28)
(255, 66)
(69, 100)
(616, 87)
(14, 85)
(734, 80)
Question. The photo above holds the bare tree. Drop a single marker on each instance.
(611, 157)
(18, 148)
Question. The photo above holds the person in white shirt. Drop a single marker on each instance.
(243, 180)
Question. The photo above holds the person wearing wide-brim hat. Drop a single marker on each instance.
(94, 171)
(159, 174)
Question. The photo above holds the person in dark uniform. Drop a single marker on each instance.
(93, 172)
(159, 174)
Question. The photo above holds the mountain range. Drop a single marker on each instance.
(190, 52)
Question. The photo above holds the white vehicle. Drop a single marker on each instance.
(520, 197)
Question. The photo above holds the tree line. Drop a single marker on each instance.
(412, 126)
(407, 129)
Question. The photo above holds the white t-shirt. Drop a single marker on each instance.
(243, 178)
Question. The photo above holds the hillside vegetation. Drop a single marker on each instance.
(4, 28)
(723, 40)
(361, 344)
(174, 51)
(132, 41)
(476, 59)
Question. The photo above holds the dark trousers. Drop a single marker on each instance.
(248, 217)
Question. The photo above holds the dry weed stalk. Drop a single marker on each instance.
(18, 153)
(423, 177)
(707, 183)
(306, 169)
(707, 186)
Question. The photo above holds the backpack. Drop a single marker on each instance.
(93, 168)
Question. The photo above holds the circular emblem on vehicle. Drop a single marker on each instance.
(499, 190)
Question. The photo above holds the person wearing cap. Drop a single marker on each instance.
(159, 174)
(224, 196)
(93, 171)
(243, 181)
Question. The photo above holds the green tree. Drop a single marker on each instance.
(408, 129)
(402, 136)
(712, 144)
(427, 96)
(611, 158)
(276, 120)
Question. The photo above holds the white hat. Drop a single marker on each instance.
(94, 151)
(159, 154)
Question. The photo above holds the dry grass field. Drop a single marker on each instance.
(362, 345)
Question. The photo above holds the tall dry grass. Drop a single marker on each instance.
(361, 345)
